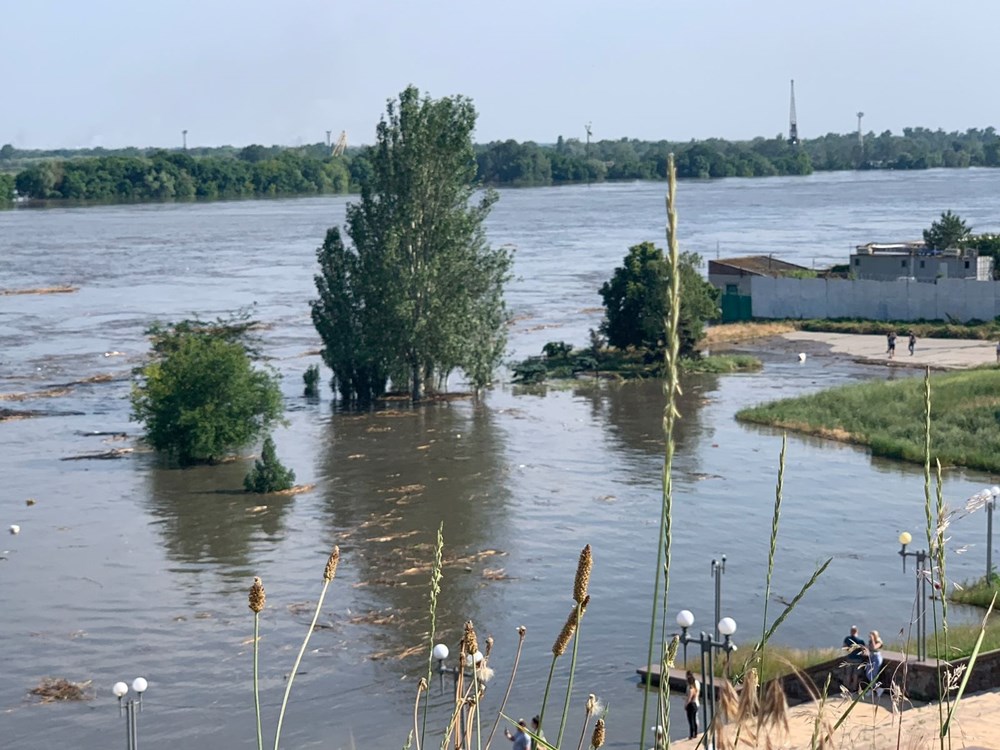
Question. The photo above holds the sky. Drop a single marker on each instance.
(85, 73)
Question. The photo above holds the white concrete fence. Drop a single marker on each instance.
(958, 299)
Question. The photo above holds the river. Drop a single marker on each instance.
(129, 567)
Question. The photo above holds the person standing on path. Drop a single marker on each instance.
(891, 339)
(913, 342)
(855, 660)
(691, 704)
(998, 352)
(537, 731)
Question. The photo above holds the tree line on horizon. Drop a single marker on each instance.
(135, 175)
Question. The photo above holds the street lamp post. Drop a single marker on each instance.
(129, 708)
(470, 660)
(718, 569)
(989, 497)
(726, 627)
(921, 557)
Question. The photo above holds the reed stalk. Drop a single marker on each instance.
(569, 682)
(772, 550)
(436, 574)
(939, 553)
(328, 575)
(591, 705)
(421, 688)
(671, 388)
(510, 684)
(946, 726)
(931, 529)
(257, 600)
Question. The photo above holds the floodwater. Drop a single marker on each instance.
(130, 567)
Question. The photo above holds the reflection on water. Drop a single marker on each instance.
(207, 521)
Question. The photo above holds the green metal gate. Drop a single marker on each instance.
(735, 308)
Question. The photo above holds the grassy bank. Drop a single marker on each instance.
(888, 417)
(961, 641)
(630, 364)
(979, 594)
(781, 660)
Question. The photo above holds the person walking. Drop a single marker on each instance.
(855, 660)
(998, 352)
(874, 662)
(691, 704)
(520, 738)
(913, 343)
(891, 340)
(536, 730)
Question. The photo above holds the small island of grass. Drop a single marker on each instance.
(560, 361)
(888, 417)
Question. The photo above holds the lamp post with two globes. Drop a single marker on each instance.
(988, 496)
(127, 708)
(726, 627)
(441, 653)
(923, 573)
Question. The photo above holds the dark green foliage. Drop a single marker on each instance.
(635, 300)
(201, 396)
(556, 349)
(420, 293)
(946, 232)
(311, 380)
(268, 474)
(6, 190)
(935, 329)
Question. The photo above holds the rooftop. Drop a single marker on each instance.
(757, 265)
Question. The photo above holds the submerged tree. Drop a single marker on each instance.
(268, 473)
(946, 232)
(635, 300)
(420, 293)
(201, 396)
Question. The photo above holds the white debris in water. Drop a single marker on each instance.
(15, 529)
(802, 356)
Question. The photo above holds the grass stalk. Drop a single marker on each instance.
(328, 575)
(256, 678)
(545, 695)
(572, 670)
(932, 538)
(946, 726)
(421, 687)
(510, 684)
(772, 550)
(436, 573)
(586, 722)
(671, 388)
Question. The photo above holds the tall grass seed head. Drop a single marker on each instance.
(257, 597)
(469, 641)
(583, 569)
(331, 564)
(598, 739)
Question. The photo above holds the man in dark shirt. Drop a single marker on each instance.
(855, 648)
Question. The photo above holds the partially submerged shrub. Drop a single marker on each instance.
(311, 379)
(268, 474)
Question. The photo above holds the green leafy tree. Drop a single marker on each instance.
(268, 474)
(635, 300)
(946, 232)
(420, 292)
(201, 396)
(6, 190)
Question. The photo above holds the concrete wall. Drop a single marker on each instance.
(961, 299)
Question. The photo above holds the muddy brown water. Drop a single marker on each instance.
(129, 567)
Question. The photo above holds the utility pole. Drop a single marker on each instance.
(587, 126)
(793, 124)
(184, 137)
(861, 137)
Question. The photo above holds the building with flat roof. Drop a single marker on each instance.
(913, 261)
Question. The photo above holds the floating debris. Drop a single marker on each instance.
(113, 453)
(66, 289)
(15, 529)
(52, 689)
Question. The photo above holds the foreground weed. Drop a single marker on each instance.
(256, 603)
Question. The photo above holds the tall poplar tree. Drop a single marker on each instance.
(420, 293)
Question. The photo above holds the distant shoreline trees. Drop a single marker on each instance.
(141, 175)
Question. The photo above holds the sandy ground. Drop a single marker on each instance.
(875, 727)
(936, 353)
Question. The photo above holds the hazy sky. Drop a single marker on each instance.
(137, 72)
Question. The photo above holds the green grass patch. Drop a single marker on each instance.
(961, 641)
(923, 329)
(888, 417)
(721, 363)
(979, 593)
(562, 362)
(781, 660)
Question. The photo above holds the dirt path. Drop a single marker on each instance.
(937, 353)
